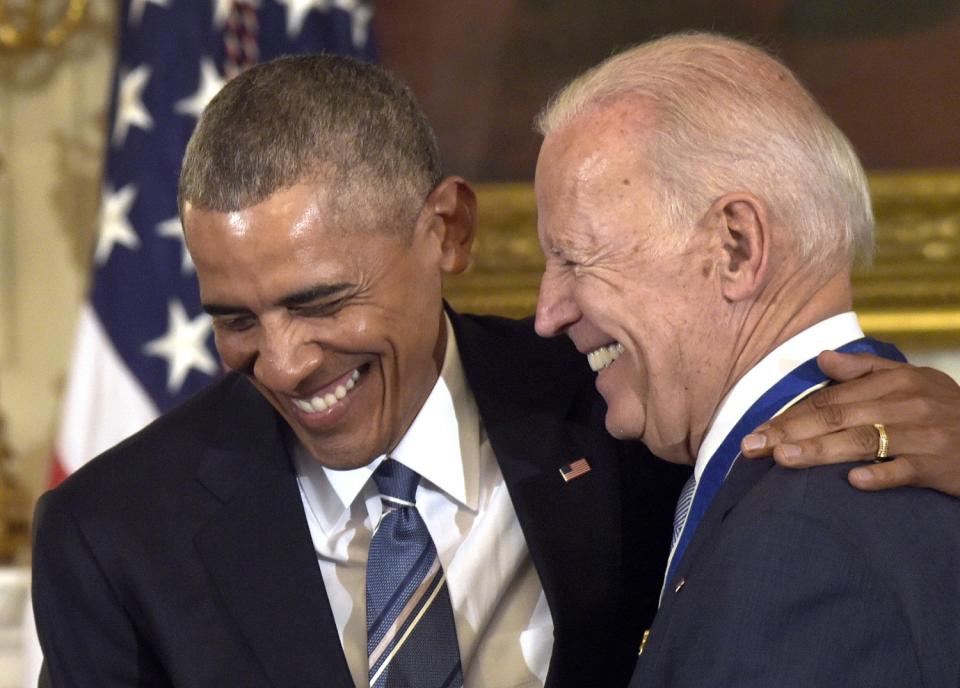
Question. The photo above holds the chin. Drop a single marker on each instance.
(345, 463)
(338, 458)
(670, 451)
(621, 430)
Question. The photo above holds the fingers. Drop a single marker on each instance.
(899, 395)
(919, 407)
(910, 469)
(858, 443)
(825, 431)
(842, 367)
(914, 470)
(898, 381)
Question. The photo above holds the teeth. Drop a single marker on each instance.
(604, 356)
(322, 403)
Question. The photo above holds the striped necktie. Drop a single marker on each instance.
(411, 637)
(683, 509)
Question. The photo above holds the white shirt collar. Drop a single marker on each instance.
(442, 445)
(831, 333)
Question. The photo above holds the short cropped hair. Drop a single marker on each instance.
(311, 118)
(728, 116)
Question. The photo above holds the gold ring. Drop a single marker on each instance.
(884, 444)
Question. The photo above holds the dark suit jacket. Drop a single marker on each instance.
(182, 556)
(794, 578)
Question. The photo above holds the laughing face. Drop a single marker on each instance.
(337, 321)
(640, 309)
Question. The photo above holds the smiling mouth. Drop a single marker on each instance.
(329, 397)
(604, 356)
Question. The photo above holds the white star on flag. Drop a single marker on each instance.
(130, 108)
(210, 84)
(184, 346)
(115, 227)
(138, 6)
(298, 9)
(360, 16)
(172, 229)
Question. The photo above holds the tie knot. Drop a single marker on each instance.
(396, 480)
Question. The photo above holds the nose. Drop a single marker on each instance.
(285, 359)
(556, 308)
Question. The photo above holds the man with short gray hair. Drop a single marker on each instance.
(700, 215)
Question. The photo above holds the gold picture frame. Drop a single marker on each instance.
(910, 295)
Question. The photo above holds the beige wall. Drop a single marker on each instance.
(52, 109)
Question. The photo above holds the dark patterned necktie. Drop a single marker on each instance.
(683, 509)
(411, 637)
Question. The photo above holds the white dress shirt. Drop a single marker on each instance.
(831, 333)
(504, 627)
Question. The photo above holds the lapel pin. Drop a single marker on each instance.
(643, 641)
(574, 470)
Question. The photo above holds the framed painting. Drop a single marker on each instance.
(888, 73)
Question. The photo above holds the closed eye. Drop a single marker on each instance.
(237, 323)
(318, 310)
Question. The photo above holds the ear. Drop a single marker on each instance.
(743, 224)
(450, 212)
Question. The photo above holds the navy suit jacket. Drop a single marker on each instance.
(182, 556)
(797, 579)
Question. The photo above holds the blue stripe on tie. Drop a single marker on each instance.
(801, 378)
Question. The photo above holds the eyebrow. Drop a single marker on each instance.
(321, 291)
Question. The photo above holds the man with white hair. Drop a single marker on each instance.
(700, 217)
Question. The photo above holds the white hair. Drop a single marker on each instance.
(730, 117)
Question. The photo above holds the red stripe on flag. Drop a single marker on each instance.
(57, 472)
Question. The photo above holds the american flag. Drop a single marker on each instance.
(574, 470)
(142, 343)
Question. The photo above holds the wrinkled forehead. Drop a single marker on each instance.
(351, 210)
(606, 140)
(283, 247)
(593, 185)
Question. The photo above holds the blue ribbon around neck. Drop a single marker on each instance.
(793, 384)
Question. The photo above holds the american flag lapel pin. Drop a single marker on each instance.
(574, 470)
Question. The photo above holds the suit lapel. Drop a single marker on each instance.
(259, 554)
(562, 521)
(744, 474)
(573, 529)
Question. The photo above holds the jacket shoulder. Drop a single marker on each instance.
(511, 350)
(228, 413)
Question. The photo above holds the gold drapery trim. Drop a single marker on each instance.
(29, 30)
